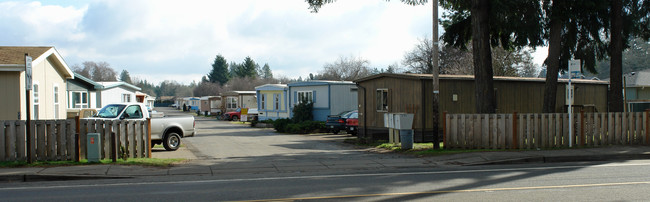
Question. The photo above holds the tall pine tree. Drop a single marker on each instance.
(266, 72)
(219, 72)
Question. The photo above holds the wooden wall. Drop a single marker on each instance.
(413, 94)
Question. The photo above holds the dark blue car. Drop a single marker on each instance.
(336, 123)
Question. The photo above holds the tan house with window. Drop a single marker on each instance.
(49, 81)
(239, 99)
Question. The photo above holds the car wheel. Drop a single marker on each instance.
(172, 141)
(235, 118)
(335, 131)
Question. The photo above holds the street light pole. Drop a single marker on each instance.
(436, 84)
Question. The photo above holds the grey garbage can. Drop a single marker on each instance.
(406, 138)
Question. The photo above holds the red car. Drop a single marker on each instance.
(234, 115)
(352, 123)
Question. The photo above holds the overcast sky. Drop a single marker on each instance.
(161, 40)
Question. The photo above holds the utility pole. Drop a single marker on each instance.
(436, 84)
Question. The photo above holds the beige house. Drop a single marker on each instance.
(239, 99)
(49, 80)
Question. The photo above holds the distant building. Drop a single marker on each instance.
(329, 97)
(117, 92)
(239, 99)
(637, 91)
(272, 101)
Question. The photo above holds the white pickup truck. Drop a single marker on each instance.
(165, 130)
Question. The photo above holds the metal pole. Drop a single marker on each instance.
(625, 108)
(570, 112)
(28, 117)
(436, 84)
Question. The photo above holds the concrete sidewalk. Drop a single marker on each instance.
(197, 167)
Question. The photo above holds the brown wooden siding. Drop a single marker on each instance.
(406, 95)
(10, 103)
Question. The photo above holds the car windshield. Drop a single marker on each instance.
(348, 114)
(110, 111)
(344, 114)
(353, 115)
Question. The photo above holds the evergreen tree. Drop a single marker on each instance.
(219, 72)
(125, 77)
(512, 24)
(248, 68)
(266, 72)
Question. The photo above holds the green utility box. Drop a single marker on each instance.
(93, 147)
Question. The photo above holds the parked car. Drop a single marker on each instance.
(352, 123)
(236, 115)
(165, 130)
(336, 123)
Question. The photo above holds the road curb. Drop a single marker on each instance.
(39, 178)
(560, 159)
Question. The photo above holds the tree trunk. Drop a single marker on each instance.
(616, 61)
(552, 62)
(483, 75)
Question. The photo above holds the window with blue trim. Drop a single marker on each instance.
(305, 96)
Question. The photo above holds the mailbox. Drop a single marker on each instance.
(93, 147)
(386, 120)
(403, 121)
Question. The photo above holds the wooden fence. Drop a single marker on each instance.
(133, 136)
(61, 140)
(530, 131)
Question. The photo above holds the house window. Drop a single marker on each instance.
(276, 102)
(36, 101)
(263, 101)
(231, 103)
(126, 98)
(56, 102)
(79, 100)
(305, 96)
(382, 100)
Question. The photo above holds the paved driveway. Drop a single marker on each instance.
(230, 143)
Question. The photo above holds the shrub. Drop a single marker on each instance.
(268, 121)
(303, 111)
(280, 125)
(305, 127)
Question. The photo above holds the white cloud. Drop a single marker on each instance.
(159, 40)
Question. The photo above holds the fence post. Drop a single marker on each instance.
(514, 131)
(113, 147)
(647, 126)
(149, 137)
(444, 130)
(582, 128)
(77, 149)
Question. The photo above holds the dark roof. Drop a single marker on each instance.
(11, 55)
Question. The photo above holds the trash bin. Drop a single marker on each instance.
(406, 138)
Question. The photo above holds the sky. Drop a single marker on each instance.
(159, 40)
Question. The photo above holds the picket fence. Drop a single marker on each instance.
(65, 140)
(531, 131)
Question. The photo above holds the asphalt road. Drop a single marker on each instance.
(627, 181)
